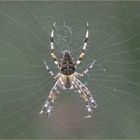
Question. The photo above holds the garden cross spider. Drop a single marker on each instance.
(68, 78)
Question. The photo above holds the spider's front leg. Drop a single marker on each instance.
(86, 95)
(48, 106)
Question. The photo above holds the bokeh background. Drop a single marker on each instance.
(114, 41)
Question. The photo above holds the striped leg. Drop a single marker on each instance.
(86, 95)
(85, 71)
(47, 68)
(52, 47)
(89, 68)
(48, 105)
(84, 47)
(85, 98)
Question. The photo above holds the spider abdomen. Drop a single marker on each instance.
(67, 65)
(67, 70)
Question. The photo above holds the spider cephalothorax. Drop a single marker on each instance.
(67, 78)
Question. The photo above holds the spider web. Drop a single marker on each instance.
(114, 81)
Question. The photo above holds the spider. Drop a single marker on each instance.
(68, 78)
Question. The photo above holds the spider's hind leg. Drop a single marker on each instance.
(52, 47)
(81, 56)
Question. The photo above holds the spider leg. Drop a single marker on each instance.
(89, 68)
(86, 70)
(85, 98)
(86, 95)
(52, 47)
(48, 106)
(81, 56)
(47, 68)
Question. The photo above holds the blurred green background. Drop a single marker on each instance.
(114, 42)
